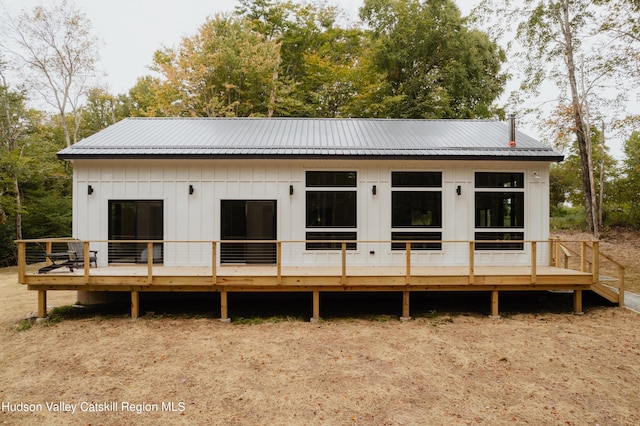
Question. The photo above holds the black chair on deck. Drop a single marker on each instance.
(76, 254)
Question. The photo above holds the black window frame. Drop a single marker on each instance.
(407, 187)
(325, 220)
(504, 194)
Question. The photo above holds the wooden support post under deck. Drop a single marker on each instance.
(406, 315)
(316, 306)
(534, 256)
(224, 307)
(577, 302)
(22, 261)
(214, 263)
(495, 313)
(135, 304)
(149, 263)
(42, 303)
(87, 261)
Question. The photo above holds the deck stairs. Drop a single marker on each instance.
(610, 293)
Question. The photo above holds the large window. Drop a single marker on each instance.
(331, 209)
(416, 203)
(135, 220)
(499, 210)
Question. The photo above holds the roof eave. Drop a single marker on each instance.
(551, 158)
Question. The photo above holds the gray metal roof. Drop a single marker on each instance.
(308, 138)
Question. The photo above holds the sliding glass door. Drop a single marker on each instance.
(248, 220)
(135, 220)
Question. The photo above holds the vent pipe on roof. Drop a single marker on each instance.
(512, 130)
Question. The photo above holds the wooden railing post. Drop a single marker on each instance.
(214, 263)
(621, 285)
(22, 261)
(86, 261)
(407, 279)
(149, 263)
(583, 256)
(534, 260)
(279, 261)
(558, 254)
(48, 246)
(551, 239)
(472, 277)
(595, 267)
(344, 262)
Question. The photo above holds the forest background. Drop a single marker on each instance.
(274, 58)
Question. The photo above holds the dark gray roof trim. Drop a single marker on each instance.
(173, 138)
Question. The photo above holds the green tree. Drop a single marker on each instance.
(102, 109)
(628, 191)
(226, 69)
(435, 66)
(14, 123)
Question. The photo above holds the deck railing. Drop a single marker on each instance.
(605, 268)
(46, 264)
(214, 254)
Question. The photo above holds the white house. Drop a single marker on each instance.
(315, 181)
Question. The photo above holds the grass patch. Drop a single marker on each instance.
(568, 218)
(25, 324)
(267, 320)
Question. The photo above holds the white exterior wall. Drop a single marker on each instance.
(196, 217)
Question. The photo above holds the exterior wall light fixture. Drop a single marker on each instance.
(459, 190)
(374, 190)
(191, 189)
(290, 189)
(89, 189)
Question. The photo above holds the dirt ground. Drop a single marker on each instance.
(450, 365)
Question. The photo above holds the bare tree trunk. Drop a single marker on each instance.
(18, 207)
(602, 169)
(581, 129)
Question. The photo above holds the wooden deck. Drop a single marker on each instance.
(277, 278)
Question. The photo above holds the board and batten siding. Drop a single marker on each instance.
(196, 217)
